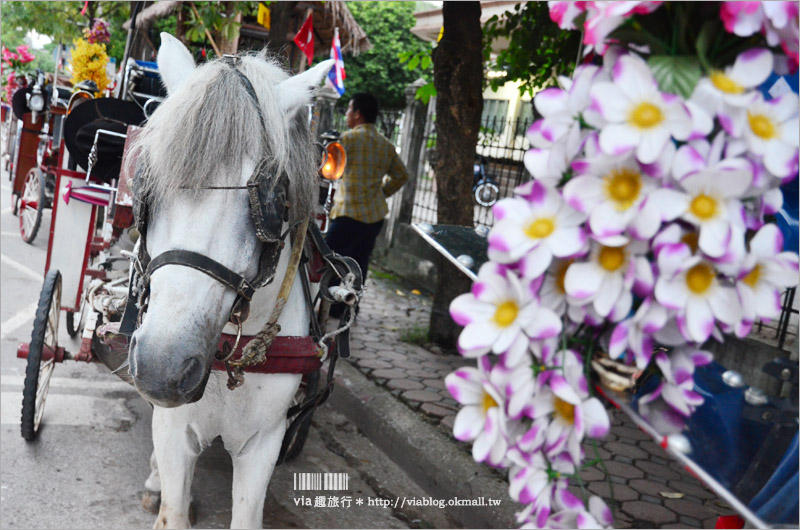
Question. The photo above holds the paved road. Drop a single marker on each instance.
(88, 467)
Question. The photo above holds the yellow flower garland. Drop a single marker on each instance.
(89, 62)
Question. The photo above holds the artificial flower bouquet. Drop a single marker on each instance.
(15, 66)
(89, 57)
(643, 234)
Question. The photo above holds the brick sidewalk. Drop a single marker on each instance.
(650, 489)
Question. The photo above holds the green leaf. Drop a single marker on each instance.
(645, 38)
(425, 92)
(413, 63)
(426, 62)
(677, 75)
(704, 40)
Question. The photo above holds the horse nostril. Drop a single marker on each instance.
(191, 376)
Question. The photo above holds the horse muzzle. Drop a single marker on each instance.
(166, 379)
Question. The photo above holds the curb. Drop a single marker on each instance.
(430, 458)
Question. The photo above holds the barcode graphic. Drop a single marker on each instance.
(321, 481)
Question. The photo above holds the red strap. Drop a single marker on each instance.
(287, 355)
(729, 521)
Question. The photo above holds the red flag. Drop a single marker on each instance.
(305, 39)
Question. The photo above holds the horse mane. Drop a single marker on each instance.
(201, 134)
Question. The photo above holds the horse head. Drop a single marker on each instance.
(220, 123)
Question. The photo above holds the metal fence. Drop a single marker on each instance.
(389, 123)
(501, 143)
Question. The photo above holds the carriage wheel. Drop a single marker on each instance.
(486, 193)
(295, 438)
(31, 205)
(74, 327)
(38, 372)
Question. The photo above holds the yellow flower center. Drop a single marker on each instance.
(753, 276)
(725, 83)
(692, 239)
(505, 314)
(561, 273)
(488, 402)
(699, 278)
(703, 206)
(646, 115)
(611, 258)
(623, 186)
(540, 228)
(564, 410)
(762, 126)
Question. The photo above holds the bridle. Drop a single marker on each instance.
(269, 210)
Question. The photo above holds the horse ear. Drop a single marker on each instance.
(175, 62)
(298, 90)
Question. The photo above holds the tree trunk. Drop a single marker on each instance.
(280, 25)
(458, 78)
(229, 46)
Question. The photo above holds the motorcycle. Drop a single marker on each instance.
(484, 186)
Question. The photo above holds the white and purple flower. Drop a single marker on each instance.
(640, 118)
(497, 312)
(691, 286)
(482, 420)
(533, 228)
(766, 271)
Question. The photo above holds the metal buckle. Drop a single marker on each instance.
(232, 60)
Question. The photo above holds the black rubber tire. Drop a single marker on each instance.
(73, 327)
(486, 193)
(37, 374)
(294, 442)
(28, 235)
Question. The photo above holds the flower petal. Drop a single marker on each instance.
(671, 294)
(582, 280)
(469, 423)
(715, 237)
(477, 338)
(545, 325)
(567, 242)
(699, 319)
(725, 305)
(620, 138)
(596, 418)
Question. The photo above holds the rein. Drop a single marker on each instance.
(255, 351)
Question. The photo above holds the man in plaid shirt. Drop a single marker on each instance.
(373, 172)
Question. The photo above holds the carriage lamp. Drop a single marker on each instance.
(334, 161)
(36, 103)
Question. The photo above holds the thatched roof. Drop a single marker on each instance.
(327, 16)
(150, 14)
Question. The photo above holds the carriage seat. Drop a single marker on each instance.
(87, 127)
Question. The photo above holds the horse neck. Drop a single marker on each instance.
(294, 318)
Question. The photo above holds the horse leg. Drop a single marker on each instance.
(177, 447)
(151, 498)
(253, 465)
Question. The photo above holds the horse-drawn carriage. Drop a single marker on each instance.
(128, 228)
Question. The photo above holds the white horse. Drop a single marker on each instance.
(212, 130)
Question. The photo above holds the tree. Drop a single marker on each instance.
(538, 49)
(63, 22)
(377, 70)
(458, 77)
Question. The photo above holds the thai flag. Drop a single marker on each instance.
(336, 76)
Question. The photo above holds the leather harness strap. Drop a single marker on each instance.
(206, 265)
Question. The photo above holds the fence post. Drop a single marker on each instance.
(410, 150)
(323, 110)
